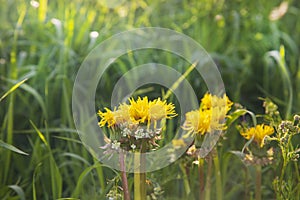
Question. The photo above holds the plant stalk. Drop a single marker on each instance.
(258, 182)
(201, 178)
(208, 178)
(124, 177)
(140, 174)
(218, 177)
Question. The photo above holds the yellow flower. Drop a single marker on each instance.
(211, 101)
(107, 118)
(259, 132)
(160, 109)
(210, 116)
(122, 114)
(197, 121)
(139, 110)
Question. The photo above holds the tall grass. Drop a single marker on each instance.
(45, 46)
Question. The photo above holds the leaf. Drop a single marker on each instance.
(33, 181)
(18, 190)
(33, 92)
(239, 154)
(12, 148)
(235, 115)
(13, 88)
(39, 133)
(181, 78)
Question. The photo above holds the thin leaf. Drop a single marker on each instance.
(33, 92)
(13, 88)
(18, 190)
(33, 181)
(235, 115)
(12, 148)
(39, 133)
(181, 78)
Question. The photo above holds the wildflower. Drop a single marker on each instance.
(210, 115)
(211, 101)
(258, 133)
(139, 110)
(107, 118)
(198, 121)
(159, 109)
(136, 120)
(122, 114)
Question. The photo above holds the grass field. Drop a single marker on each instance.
(255, 46)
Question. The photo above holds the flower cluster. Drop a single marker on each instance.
(258, 133)
(210, 116)
(139, 119)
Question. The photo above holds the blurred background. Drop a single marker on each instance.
(43, 43)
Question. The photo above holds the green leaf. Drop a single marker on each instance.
(12, 148)
(235, 115)
(13, 88)
(18, 190)
(39, 133)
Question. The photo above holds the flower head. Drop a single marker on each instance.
(210, 115)
(139, 110)
(107, 118)
(211, 101)
(122, 114)
(159, 109)
(258, 133)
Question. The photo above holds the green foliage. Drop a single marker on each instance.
(41, 49)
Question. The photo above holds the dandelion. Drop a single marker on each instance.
(122, 115)
(211, 101)
(210, 115)
(198, 121)
(128, 117)
(107, 118)
(139, 110)
(258, 133)
(159, 109)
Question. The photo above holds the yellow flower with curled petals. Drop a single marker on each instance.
(107, 118)
(209, 101)
(259, 132)
(197, 121)
(159, 109)
(210, 116)
(139, 110)
(122, 114)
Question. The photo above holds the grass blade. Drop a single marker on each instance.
(12, 148)
(13, 88)
(18, 190)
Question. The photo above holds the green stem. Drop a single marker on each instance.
(100, 175)
(201, 178)
(143, 169)
(208, 178)
(185, 177)
(284, 164)
(218, 177)
(140, 174)
(137, 184)
(258, 182)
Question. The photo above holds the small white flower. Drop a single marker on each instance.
(34, 4)
(115, 145)
(133, 146)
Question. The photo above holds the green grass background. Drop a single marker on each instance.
(46, 46)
